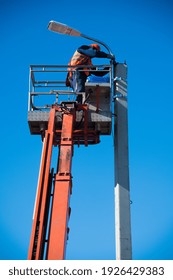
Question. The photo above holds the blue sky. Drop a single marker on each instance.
(139, 32)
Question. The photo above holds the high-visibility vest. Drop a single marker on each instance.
(79, 59)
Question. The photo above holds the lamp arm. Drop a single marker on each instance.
(99, 42)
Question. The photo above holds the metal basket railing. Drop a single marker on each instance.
(47, 84)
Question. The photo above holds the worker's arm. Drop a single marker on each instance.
(92, 52)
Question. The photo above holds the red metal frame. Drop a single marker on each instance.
(51, 215)
(62, 191)
(36, 248)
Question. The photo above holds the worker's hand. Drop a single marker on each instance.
(111, 56)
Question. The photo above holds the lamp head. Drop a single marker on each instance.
(61, 28)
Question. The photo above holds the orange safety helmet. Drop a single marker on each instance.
(97, 47)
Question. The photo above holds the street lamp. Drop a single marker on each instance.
(61, 28)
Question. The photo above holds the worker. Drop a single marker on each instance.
(82, 56)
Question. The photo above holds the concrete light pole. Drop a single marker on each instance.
(122, 189)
